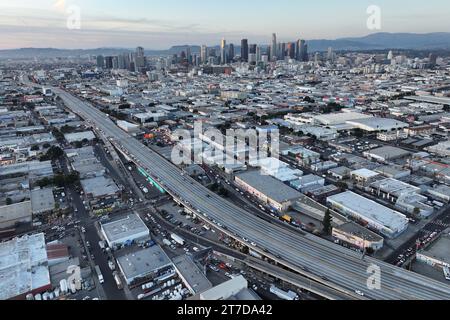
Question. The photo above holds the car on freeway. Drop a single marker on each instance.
(360, 293)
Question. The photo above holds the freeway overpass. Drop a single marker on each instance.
(324, 262)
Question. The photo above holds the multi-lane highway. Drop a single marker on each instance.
(320, 260)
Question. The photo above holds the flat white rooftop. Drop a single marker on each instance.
(370, 210)
(123, 228)
(23, 266)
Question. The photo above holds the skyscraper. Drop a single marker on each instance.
(109, 62)
(244, 50)
(100, 61)
(230, 52)
(282, 51)
(189, 55)
(258, 54)
(330, 55)
(291, 50)
(204, 54)
(274, 48)
(139, 60)
(302, 49)
(223, 52)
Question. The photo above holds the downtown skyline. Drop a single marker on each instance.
(160, 25)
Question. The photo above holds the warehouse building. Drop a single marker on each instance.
(226, 290)
(383, 220)
(438, 253)
(268, 189)
(144, 264)
(14, 214)
(128, 127)
(385, 154)
(357, 236)
(307, 183)
(379, 125)
(79, 136)
(123, 231)
(405, 196)
(395, 172)
(193, 277)
(340, 173)
(42, 201)
(440, 193)
(23, 267)
(100, 189)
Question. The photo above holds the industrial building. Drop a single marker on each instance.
(308, 182)
(268, 189)
(438, 253)
(277, 169)
(79, 136)
(14, 214)
(128, 127)
(143, 264)
(379, 125)
(229, 290)
(23, 267)
(388, 222)
(392, 171)
(340, 173)
(440, 193)
(123, 231)
(405, 196)
(84, 161)
(193, 277)
(100, 191)
(357, 236)
(385, 154)
(42, 201)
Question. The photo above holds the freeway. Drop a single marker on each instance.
(318, 259)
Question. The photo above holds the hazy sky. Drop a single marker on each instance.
(159, 24)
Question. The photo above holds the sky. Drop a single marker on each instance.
(160, 24)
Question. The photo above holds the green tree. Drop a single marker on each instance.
(327, 227)
(416, 213)
(341, 185)
(214, 187)
(54, 153)
(34, 148)
(67, 129)
(57, 134)
(359, 133)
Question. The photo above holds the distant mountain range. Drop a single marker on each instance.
(376, 41)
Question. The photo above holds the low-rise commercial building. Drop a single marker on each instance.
(123, 231)
(358, 236)
(143, 264)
